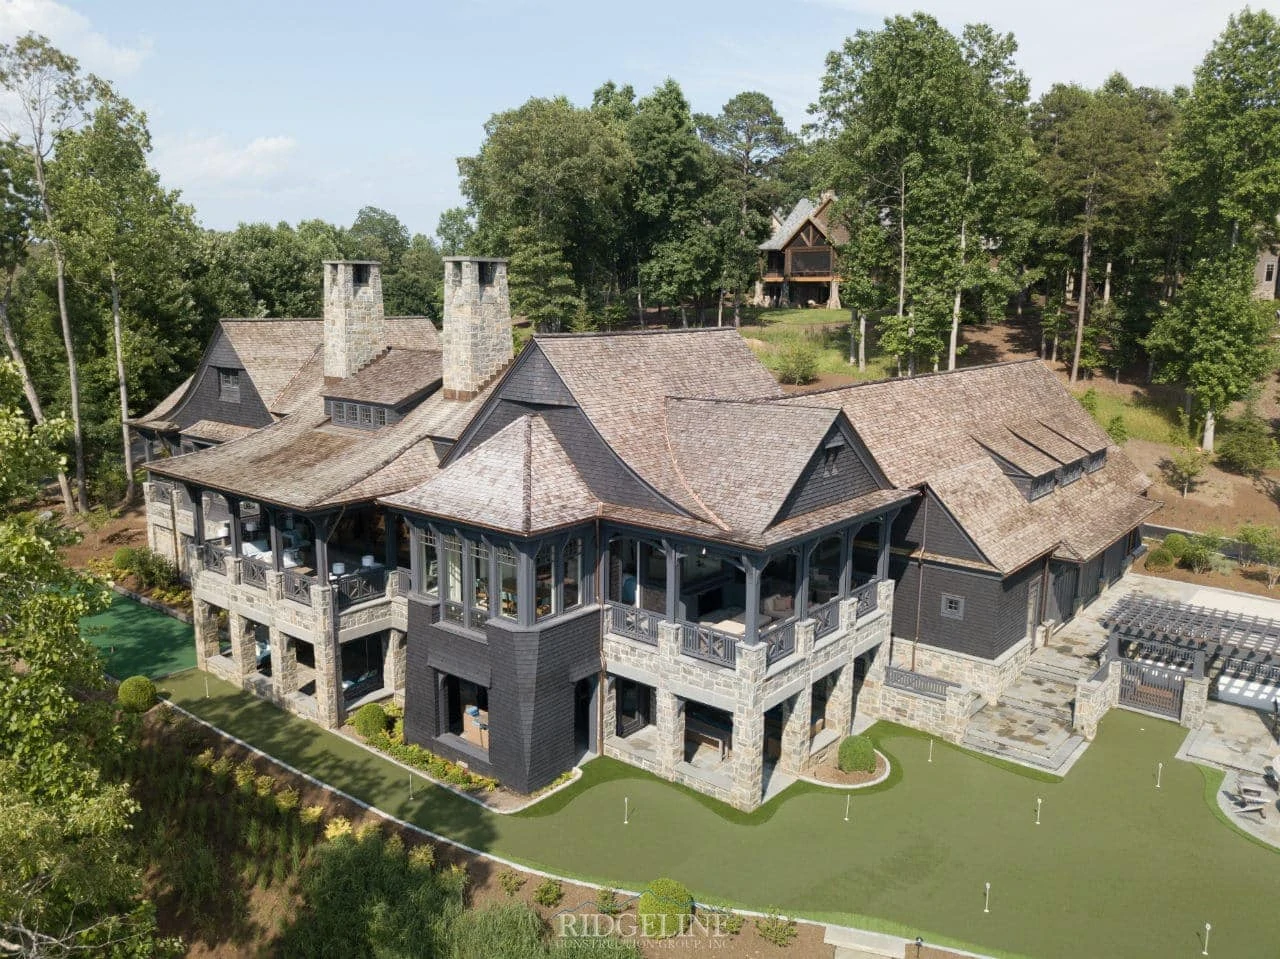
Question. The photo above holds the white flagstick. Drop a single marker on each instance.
(1159, 772)
(410, 786)
(930, 750)
(847, 800)
(986, 903)
(626, 810)
(1205, 950)
(1038, 802)
(206, 685)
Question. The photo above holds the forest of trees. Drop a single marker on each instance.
(1126, 218)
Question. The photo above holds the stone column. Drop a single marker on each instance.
(840, 702)
(205, 617)
(610, 721)
(244, 645)
(795, 731)
(669, 708)
(328, 654)
(393, 663)
(748, 729)
(848, 615)
(1195, 700)
(805, 630)
(284, 666)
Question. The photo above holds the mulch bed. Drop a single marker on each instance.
(830, 773)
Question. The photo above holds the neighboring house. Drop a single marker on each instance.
(1266, 275)
(635, 544)
(798, 265)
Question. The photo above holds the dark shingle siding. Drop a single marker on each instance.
(821, 485)
(974, 635)
(203, 403)
(945, 538)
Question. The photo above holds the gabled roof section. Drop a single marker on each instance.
(940, 430)
(797, 218)
(272, 351)
(519, 481)
(392, 379)
(158, 418)
(621, 382)
(1048, 441)
(740, 459)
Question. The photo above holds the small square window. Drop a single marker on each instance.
(952, 606)
(366, 416)
(379, 417)
(360, 274)
(229, 386)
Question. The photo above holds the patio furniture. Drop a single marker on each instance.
(1259, 808)
(1250, 792)
(368, 560)
(338, 569)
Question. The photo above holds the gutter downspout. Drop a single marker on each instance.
(924, 538)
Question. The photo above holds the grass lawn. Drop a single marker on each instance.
(826, 331)
(137, 640)
(1143, 419)
(1118, 868)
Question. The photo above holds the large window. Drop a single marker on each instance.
(430, 564)
(557, 585)
(507, 582)
(451, 554)
(572, 573)
(479, 580)
(544, 592)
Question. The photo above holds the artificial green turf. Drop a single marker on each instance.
(137, 640)
(1117, 868)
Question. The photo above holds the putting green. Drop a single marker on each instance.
(137, 640)
(1116, 868)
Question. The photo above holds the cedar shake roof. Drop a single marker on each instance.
(928, 431)
(392, 379)
(741, 460)
(621, 382)
(1017, 452)
(797, 218)
(158, 418)
(518, 481)
(216, 432)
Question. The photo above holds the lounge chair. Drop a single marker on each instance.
(1259, 808)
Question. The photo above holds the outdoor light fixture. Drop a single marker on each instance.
(919, 945)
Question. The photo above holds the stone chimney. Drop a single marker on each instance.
(477, 324)
(354, 331)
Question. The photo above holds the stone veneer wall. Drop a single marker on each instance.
(476, 334)
(354, 328)
(988, 678)
(1195, 700)
(1094, 696)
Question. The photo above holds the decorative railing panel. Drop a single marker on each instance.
(1152, 688)
(1235, 668)
(826, 618)
(297, 586)
(214, 558)
(253, 572)
(709, 645)
(930, 686)
(868, 597)
(366, 583)
(780, 641)
(634, 623)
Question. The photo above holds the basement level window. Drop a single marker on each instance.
(229, 386)
(952, 606)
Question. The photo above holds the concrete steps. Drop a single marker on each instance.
(1050, 757)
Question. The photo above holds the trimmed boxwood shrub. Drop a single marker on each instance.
(1160, 559)
(136, 694)
(1176, 545)
(663, 906)
(857, 755)
(370, 720)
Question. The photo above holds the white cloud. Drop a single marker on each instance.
(1152, 42)
(73, 33)
(197, 160)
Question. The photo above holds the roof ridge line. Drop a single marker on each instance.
(602, 334)
(907, 379)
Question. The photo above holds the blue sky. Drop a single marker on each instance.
(276, 110)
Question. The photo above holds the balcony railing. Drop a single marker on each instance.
(634, 623)
(929, 686)
(366, 583)
(253, 572)
(400, 581)
(826, 618)
(297, 586)
(214, 558)
(780, 640)
(708, 644)
(867, 597)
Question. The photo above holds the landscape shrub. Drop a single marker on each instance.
(245, 774)
(422, 856)
(1247, 446)
(337, 827)
(370, 720)
(607, 902)
(510, 881)
(664, 906)
(857, 755)
(1160, 559)
(1175, 544)
(1201, 549)
(549, 893)
(511, 930)
(287, 800)
(1089, 400)
(123, 559)
(136, 694)
(311, 815)
(1116, 429)
(797, 363)
(776, 929)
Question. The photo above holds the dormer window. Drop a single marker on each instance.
(229, 386)
(1040, 486)
(366, 416)
(1071, 472)
(1093, 462)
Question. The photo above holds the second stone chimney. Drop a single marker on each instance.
(476, 337)
(354, 330)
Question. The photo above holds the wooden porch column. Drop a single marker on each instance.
(801, 604)
(416, 558)
(233, 524)
(673, 581)
(751, 615)
(391, 535)
(882, 560)
(846, 560)
(197, 513)
(320, 527)
(277, 541)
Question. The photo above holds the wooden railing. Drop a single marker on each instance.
(929, 686)
(780, 641)
(297, 586)
(360, 586)
(634, 623)
(214, 558)
(867, 597)
(253, 572)
(708, 644)
(826, 618)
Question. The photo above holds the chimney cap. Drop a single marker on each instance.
(351, 262)
(475, 259)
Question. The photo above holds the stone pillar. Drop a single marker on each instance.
(244, 644)
(669, 708)
(284, 666)
(840, 702)
(1195, 700)
(848, 615)
(393, 663)
(205, 617)
(328, 654)
(805, 630)
(748, 729)
(833, 297)
(795, 731)
(610, 720)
